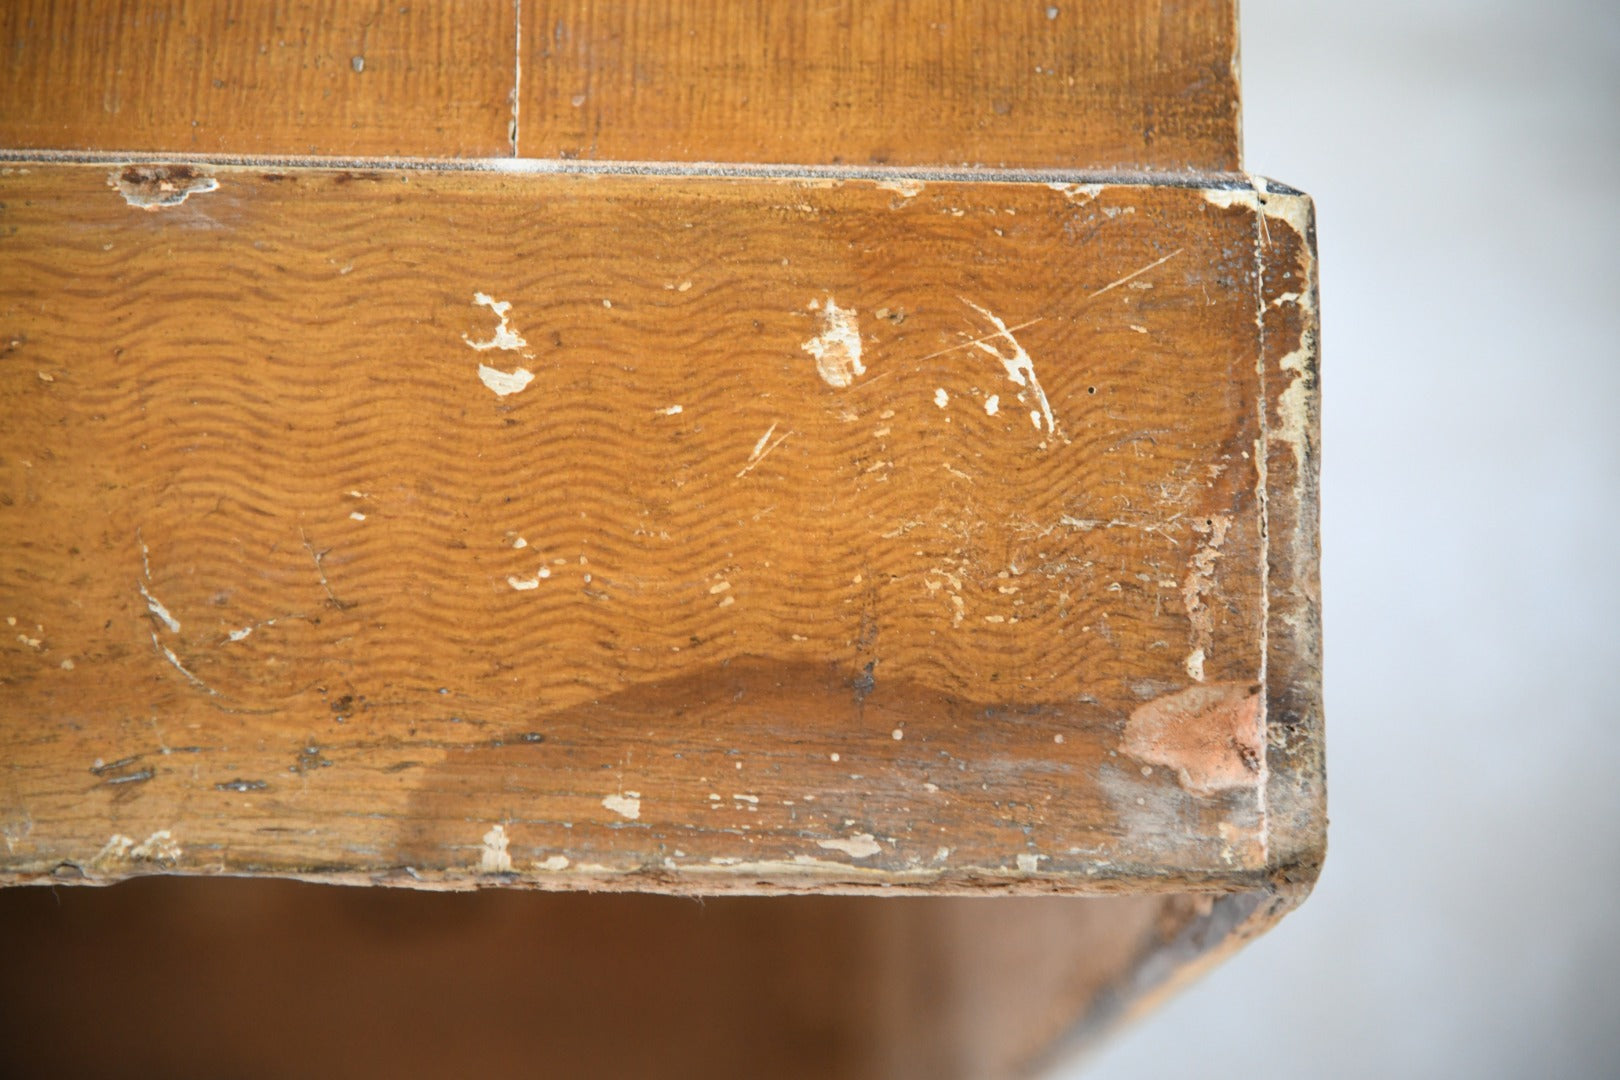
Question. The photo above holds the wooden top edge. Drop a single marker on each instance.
(522, 166)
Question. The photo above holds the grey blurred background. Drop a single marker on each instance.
(1464, 159)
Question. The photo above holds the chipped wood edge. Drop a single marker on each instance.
(1296, 792)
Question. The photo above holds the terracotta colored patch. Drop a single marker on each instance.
(1210, 735)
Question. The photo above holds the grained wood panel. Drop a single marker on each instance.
(787, 533)
(1124, 84)
(341, 77)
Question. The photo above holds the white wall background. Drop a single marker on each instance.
(1465, 158)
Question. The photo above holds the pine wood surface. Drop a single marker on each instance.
(299, 581)
(1125, 84)
(346, 77)
(1138, 85)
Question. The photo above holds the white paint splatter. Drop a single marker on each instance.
(906, 189)
(160, 847)
(1020, 368)
(860, 846)
(505, 382)
(837, 345)
(1076, 191)
(152, 187)
(673, 410)
(627, 805)
(992, 405)
(1199, 582)
(505, 337)
(941, 398)
(117, 847)
(493, 858)
(763, 447)
(156, 608)
(553, 863)
(1029, 863)
(355, 515)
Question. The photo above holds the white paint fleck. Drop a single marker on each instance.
(524, 584)
(1076, 191)
(746, 798)
(897, 734)
(859, 846)
(118, 846)
(493, 858)
(1019, 367)
(627, 805)
(505, 337)
(941, 398)
(1057, 738)
(906, 189)
(673, 410)
(355, 515)
(837, 345)
(238, 635)
(156, 608)
(992, 405)
(153, 187)
(1029, 863)
(833, 756)
(1226, 198)
(504, 382)
(520, 543)
(1293, 405)
(160, 847)
(67, 665)
(554, 863)
(763, 447)
(1200, 581)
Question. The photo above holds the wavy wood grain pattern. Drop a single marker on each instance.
(1125, 84)
(340, 77)
(705, 604)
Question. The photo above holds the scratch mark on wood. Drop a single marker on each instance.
(1134, 274)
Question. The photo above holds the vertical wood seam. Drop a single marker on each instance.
(517, 71)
